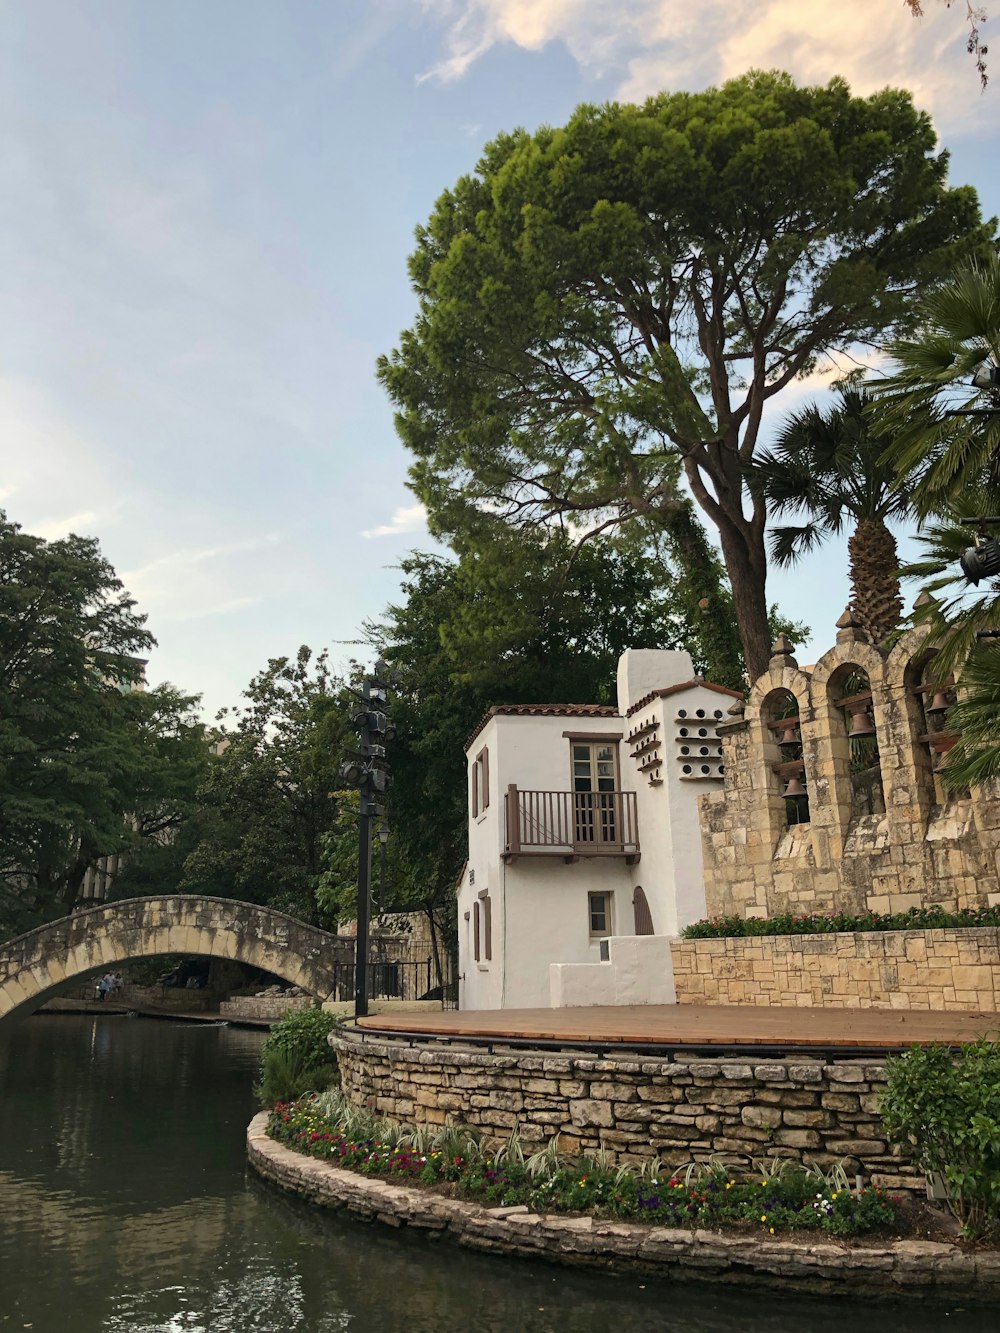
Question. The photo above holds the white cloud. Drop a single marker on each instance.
(660, 44)
(84, 524)
(408, 518)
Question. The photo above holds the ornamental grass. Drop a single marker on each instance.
(781, 1196)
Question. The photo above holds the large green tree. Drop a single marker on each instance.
(608, 307)
(90, 764)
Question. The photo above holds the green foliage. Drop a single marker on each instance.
(285, 1076)
(831, 466)
(785, 1199)
(943, 1108)
(921, 411)
(303, 1032)
(917, 918)
(609, 306)
(956, 332)
(269, 798)
(296, 1058)
(90, 764)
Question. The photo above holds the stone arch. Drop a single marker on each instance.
(920, 690)
(852, 655)
(783, 681)
(34, 966)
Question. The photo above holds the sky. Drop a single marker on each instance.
(206, 207)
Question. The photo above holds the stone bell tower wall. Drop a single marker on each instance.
(886, 839)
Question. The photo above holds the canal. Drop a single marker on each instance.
(126, 1207)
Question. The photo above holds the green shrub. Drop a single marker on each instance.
(917, 918)
(285, 1076)
(944, 1108)
(296, 1057)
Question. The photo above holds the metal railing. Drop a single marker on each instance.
(396, 980)
(578, 823)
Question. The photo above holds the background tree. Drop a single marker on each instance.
(608, 306)
(89, 764)
(829, 466)
(269, 797)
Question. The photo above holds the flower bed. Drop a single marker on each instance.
(779, 1198)
(917, 918)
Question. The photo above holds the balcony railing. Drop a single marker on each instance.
(571, 823)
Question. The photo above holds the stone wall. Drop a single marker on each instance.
(904, 969)
(885, 839)
(263, 1008)
(634, 1106)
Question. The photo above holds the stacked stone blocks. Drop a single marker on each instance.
(635, 1106)
(922, 850)
(906, 969)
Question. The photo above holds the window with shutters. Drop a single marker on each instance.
(600, 915)
(481, 783)
(475, 931)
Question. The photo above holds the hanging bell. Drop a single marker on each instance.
(939, 703)
(790, 736)
(794, 787)
(861, 722)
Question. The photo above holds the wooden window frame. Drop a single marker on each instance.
(608, 931)
(481, 783)
(486, 904)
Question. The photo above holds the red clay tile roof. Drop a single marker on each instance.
(679, 689)
(543, 710)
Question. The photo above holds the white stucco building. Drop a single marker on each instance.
(584, 840)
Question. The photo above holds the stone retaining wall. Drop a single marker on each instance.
(912, 1268)
(634, 1106)
(900, 969)
(263, 1008)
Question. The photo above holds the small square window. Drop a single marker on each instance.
(600, 915)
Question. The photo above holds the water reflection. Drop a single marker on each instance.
(127, 1208)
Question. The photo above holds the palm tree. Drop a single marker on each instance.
(927, 410)
(829, 467)
(935, 417)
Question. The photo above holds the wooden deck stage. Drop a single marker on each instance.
(674, 1026)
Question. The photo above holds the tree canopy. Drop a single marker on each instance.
(90, 764)
(270, 796)
(608, 307)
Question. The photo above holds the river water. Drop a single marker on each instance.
(126, 1207)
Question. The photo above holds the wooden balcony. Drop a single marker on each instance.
(571, 824)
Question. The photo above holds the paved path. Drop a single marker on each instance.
(701, 1025)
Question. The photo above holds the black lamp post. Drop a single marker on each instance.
(383, 837)
(366, 769)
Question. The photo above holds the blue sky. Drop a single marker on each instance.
(205, 214)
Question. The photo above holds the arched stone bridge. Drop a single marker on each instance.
(34, 966)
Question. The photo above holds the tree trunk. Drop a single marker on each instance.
(876, 599)
(747, 570)
(708, 602)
